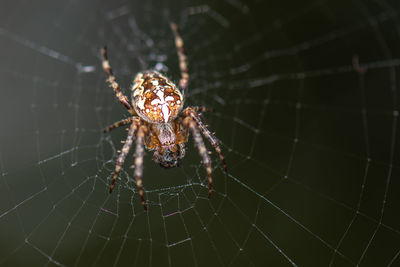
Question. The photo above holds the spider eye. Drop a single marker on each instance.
(156, 98)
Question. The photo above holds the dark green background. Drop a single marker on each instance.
(312, 143)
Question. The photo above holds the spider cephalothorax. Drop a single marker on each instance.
(158, 122)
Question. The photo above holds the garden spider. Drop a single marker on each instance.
(158, 121)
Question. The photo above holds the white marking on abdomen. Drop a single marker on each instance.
(168, 98)
(140, 102)
(165, 111)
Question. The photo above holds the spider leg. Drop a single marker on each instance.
(183, 83)
(139, 161)
(204, 130)
(124, 152)
(118, 124)
(202, 109)
(113, 83)
(199, 143)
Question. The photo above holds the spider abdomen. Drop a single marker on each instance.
(155, 98)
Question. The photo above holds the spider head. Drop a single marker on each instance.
(155, 98)
(170, 156)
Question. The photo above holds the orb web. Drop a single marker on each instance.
(306, 109)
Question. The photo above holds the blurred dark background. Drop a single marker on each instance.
(306, 95)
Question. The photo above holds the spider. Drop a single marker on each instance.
(158, 120)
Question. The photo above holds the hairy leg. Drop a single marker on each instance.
(112, 82)
(199, 143)
(139, 161)
(202, 109)
(118, 124)
(124, 152)
(183, 83)
(204, 130)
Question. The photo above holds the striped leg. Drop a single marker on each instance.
(118, 124)
(124, 152)
(199, 143)
(183, 83)
(202, 109)
(204, 130)
(139, 161)
(112, 82)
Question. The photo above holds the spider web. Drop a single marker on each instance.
(306, 100)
